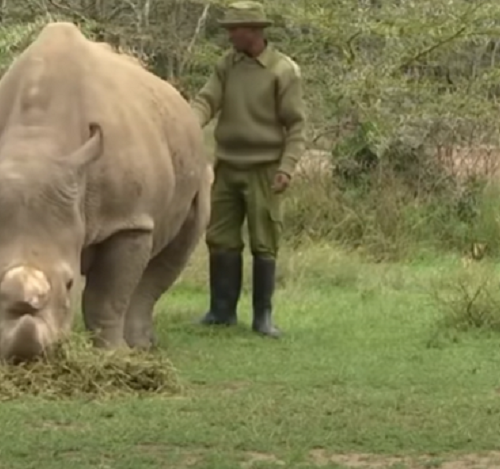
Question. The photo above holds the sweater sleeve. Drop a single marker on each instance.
(207, 102)
(292, 113)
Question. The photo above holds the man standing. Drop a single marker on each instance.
(260, 137)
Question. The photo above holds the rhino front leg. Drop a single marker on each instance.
(163, 271)
(159, 276)
(116, 270)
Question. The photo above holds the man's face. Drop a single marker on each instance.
(242, 37)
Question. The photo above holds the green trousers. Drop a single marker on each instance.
(245, 192)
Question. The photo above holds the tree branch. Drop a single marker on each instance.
(431, 48)
(446, 40)
(199, 26)
(67, 10)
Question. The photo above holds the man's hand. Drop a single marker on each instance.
(281, 182)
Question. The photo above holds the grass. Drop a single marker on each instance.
(367, 376)
(75, 369)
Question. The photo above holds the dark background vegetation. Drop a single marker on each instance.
(402, 98)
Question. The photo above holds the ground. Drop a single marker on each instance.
(363, 378)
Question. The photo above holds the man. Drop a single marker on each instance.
(259, 137)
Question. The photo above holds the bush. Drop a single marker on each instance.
(392, 204)
(468, 301)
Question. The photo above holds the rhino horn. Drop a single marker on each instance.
(26, 289)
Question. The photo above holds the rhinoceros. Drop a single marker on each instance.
(103, 174)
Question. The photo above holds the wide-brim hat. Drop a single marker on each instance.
(245, 13)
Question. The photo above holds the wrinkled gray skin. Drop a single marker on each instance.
(102, 173)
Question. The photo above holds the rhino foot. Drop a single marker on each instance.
(142, 341)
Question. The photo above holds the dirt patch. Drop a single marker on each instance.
(321, 458)
(187, 458)
(314, 162)
(463, 162)
(254, 458)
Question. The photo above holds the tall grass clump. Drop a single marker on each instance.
(467, 300)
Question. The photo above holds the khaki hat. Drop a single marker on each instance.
(245, 13)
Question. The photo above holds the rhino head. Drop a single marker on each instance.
(42, 231)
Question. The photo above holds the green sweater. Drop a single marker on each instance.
(262, 111)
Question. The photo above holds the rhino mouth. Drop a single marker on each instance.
(26, 339)
(25, 334)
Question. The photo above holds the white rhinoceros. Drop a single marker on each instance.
(102, 173)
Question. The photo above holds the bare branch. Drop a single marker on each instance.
(433, 47)
(199, 27)
(67, 10)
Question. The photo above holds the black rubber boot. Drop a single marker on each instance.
(264, 272)
(225, 270)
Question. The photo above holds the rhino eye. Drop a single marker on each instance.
(69, 284)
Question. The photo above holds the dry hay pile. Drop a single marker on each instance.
(76, 370)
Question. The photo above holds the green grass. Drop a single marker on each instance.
(363, 378)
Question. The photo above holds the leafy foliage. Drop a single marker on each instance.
(402, 96)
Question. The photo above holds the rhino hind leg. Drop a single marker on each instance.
(116, 270)
(161, 273)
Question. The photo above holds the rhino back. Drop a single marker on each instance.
(153, 158)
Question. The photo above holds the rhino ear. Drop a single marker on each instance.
(91, 150)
